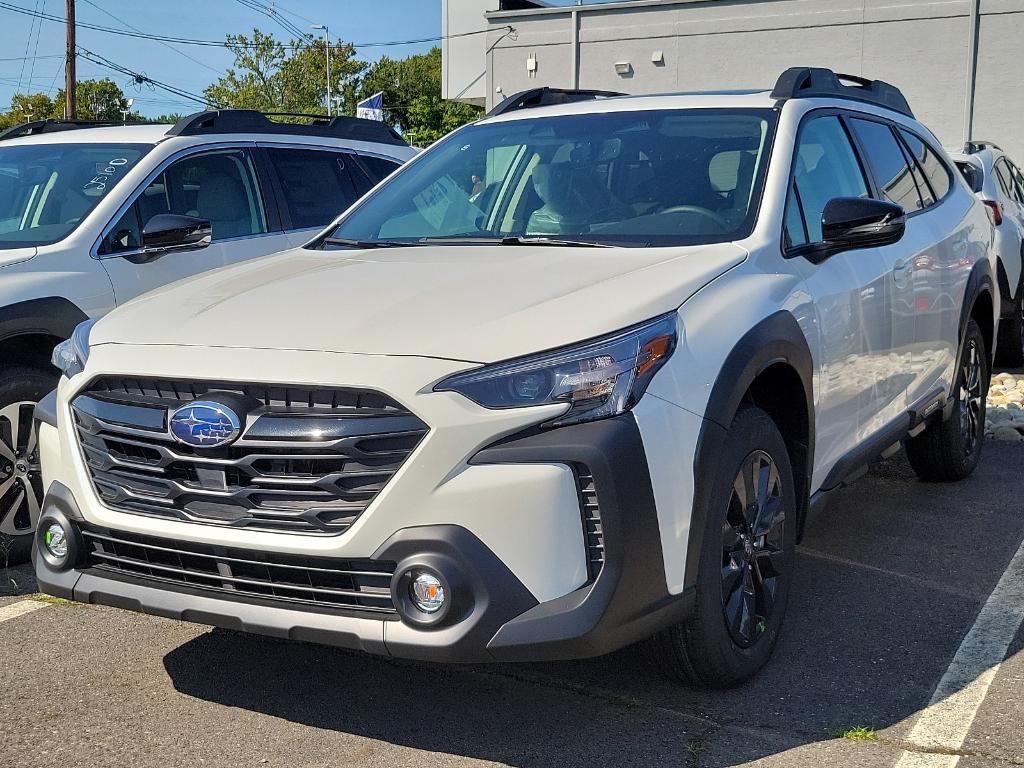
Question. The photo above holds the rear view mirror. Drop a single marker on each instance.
(168, 232)
(860, 222)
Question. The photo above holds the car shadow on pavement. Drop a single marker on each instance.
(889, 580)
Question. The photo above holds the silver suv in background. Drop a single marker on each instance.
(999, 183)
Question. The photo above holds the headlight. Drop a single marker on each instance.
(596, 379)
(70, 356)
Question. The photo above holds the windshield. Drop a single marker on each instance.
(47, 189)
(666, 177)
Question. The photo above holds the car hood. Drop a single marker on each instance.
(473, 303)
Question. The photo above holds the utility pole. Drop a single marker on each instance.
(327, 44)
(70, 110)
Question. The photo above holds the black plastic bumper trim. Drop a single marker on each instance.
(629, 600)
(46, 409)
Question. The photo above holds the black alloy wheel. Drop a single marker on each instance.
(752, 549)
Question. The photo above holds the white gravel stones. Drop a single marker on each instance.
(1004, 419)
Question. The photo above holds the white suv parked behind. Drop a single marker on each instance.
(586, 400)
(999, 183)
(90, 217)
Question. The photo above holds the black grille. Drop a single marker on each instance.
(593, 533)
(357, 585)
(307, 461)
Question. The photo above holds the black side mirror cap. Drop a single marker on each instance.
(848, 223)
(166, 232)
(861, 222)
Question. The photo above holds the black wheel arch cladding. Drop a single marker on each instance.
(778, 339)
(629, 599)
(50, 316)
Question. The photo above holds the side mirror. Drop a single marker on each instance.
(168, 232)
(860, 222)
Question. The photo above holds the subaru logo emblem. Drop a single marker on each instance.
(204, 424)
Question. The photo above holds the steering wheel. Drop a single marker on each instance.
(707, 213)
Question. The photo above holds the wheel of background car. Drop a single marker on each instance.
(21, 485)
(705, 212)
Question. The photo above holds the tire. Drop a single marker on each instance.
(949, 450)
(21, 486)
(715, 647)
(1010, 349)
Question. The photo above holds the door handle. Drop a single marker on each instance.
(902, 271)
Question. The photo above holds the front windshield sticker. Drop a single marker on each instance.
(105, 173)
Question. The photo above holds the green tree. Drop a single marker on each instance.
(96, 100)
(412, 97)
(25, 107)
(273, 77)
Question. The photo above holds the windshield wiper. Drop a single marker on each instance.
(511, 240)
(349, 243)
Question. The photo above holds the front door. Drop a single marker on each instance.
(850, 293)
(218, 185)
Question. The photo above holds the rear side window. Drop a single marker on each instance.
(378, 167)
(935, 171)
(888, 164)
(1005, 178)
(317, 185)
(825, 167)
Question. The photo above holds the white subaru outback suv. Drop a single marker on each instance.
(90, 217)
(584, 400)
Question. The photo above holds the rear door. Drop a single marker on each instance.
(893, 180)
(220, 185)
(940, 275)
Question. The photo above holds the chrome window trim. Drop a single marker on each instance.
(163, 166)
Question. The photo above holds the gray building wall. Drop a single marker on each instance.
(923, 46)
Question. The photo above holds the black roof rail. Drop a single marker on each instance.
(544, 97)
(36, 127)
(807, 82)
(976, 145)
(215, 121)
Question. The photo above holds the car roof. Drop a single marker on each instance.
(694, 100)
(120, 134)
(156, 133)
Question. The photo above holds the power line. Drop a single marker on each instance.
(162, 42)
(272, 13)
(139, 78)
(224, 44)
(28, 41)
(35, 51)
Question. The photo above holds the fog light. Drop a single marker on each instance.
(427, 593)
(56, 541)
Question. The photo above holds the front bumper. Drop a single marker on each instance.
(499, 516)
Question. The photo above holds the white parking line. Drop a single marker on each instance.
(943, 726)
(13, 610)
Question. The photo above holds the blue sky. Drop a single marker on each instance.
(353, 20)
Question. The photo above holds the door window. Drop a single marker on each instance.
(378, 167)
(825, 167)
(935, 171)
(888, 163)
(1005, 179)
(317, 185)
(217, 186)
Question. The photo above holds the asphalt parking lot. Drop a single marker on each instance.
(890, 581)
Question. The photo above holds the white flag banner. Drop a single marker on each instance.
(371, 108)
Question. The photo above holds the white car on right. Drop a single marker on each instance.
(999, 183)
